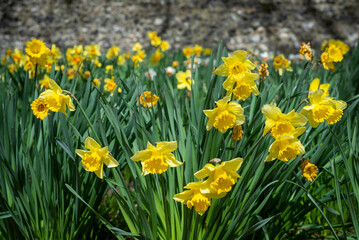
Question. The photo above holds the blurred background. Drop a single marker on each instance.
(264, 25)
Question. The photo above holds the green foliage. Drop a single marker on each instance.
(45, 192)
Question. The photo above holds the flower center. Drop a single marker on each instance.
(288, 152)
(224, 121)
(91, 161)
(238, 69)
(41, 107)
(222, 182)
(242, 91)
(320, 113)
(35, 48)
(282, 129)
(199, 202)
(156, 165)
(334, 116)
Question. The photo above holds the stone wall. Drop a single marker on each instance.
(265, 25)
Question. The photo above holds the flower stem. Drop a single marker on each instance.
(168, 233)
(88, 121)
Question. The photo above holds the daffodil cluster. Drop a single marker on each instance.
(322, 106)
(285, 129)
(240, 79)
(219, 182)
(333, 51)
(161, 46)
(241, 84)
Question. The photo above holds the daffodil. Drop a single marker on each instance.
(137, 47)
(56, 100)
(235, 66)
(92, 51)
(286, 148)
(112, 52)
(37, 52)
(280, 124)
(225, 115)
(194, 197)
(187, 51)
(242, 87)
(149, 100)
(156, 41)
(220, 178)
(110, 85)
(164, 45)
(309, 170)
(94, 159)
(184, 80)
(156, 160)
(55, 53)
(40, 108)
(197, 50)
(322, 107)
(156, 57)
(280, 63)
(237, 133)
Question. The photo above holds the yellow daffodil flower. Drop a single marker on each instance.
(235, 66)
(197, 50)
(184, 80)
(94, 159)
(187, 51)
(285, 148)
(112, 52)
(92, 51)
(242, 87)
(40, 108)
(280, 63)
(110, 85)
(220, 178)
(280, 124)
(164, 45)
(55, 98)
(37, 52)
(194, 197)
(45, 82)
(309, 170)
(149, 100)
(225, 115)
(322, 107)
(156, 160)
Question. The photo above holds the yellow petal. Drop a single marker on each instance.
(91, 144)
(184, 196)
(110, 161)
(314, 86)
(171, 160)
(53, 86)
(99, 172)
(298, 131)
(167, 146)
(296, 119)
(271, 112)
(141, 155)
(80, 152)
(205, 171)
(240, 54)
(232, 165)
(222, 70)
